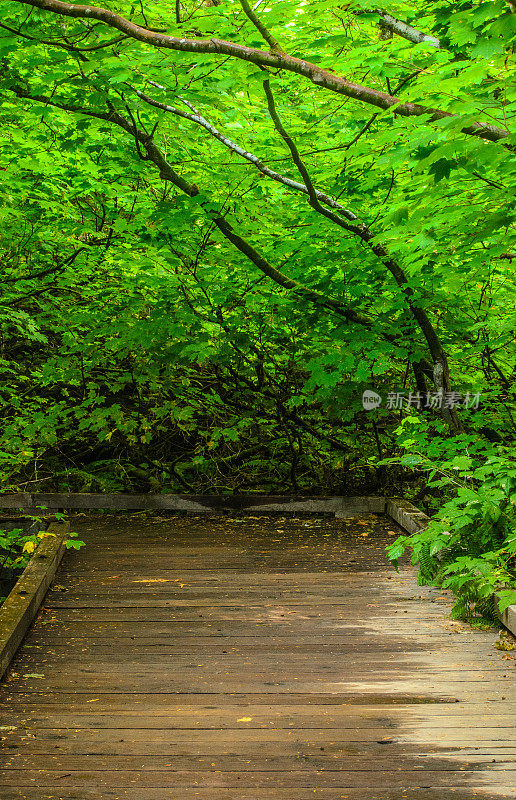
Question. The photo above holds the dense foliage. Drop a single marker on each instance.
(220, 226)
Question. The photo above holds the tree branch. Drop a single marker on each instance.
(63, 45)
(318, 76)
(407, 31)
(255, 19)
(167, 172)
(282, 280)
(197, 118)
(441, 368)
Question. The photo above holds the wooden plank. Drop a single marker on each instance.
(136, 658)
(20, 500)
(227, 682)
(453, 777)
(333, 603)
(406, 514)
(211, 766)
(167, 702)
(449, 792)
(380, 743)
(508, 617)
(346, 506)
(168, 713)
(22, 604)
(339, 645)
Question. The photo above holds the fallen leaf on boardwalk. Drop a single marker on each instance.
(33, 675)
(504, 646)
(455, 627)
(245, 719)
(506, 641)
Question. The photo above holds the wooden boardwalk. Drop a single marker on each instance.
(265, 659)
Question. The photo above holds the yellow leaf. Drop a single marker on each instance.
(244, 719)
(29, 547)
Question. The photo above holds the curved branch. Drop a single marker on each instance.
(235, 148)
(440, 359)
(63, 45)
(167, 172)
(154, 154)
(283, 280)
(318, 76)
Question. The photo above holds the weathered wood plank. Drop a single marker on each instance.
(356, 722)
(454, 777)
(256, 744)
(98, 646)
(211, 766)
(449, 792)
(406, 514)
(22, 604)
(344, 506)
(135, 660)
(19, 500)
(508, 617)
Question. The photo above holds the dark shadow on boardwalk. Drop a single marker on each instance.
(227, 658)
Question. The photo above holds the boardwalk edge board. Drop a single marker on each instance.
(23, 603)
(412, 519)
(197, 504)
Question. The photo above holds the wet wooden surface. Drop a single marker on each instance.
(257, 659)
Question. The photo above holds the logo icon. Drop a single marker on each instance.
(371, 400)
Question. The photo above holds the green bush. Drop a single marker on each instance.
(470, 544)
